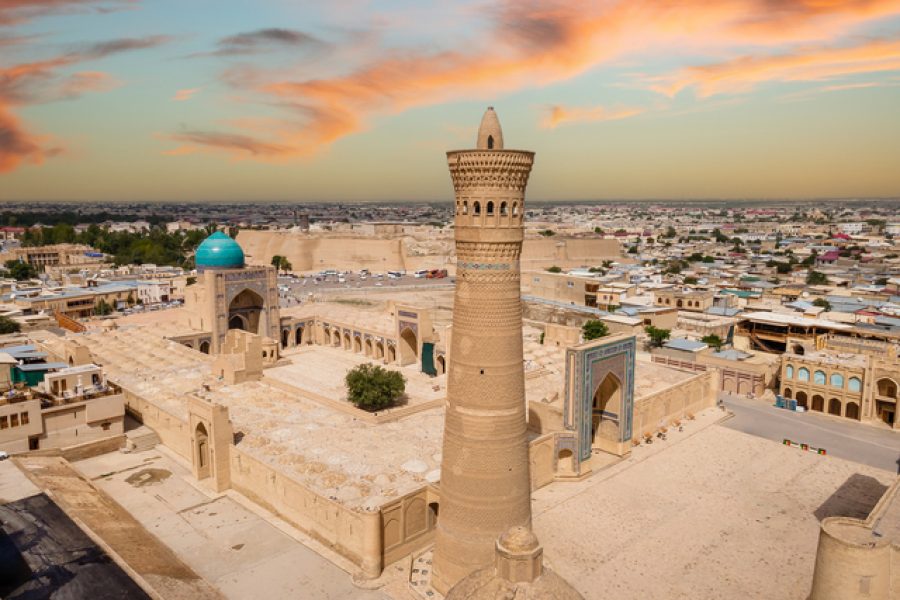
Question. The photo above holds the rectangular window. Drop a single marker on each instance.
(13, 420)
(570, 284)
(4, 422)
(24, 418)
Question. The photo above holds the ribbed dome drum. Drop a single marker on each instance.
(219, 251)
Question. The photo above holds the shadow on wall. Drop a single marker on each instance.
(855, 498)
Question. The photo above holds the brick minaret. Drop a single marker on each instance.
(485, 485)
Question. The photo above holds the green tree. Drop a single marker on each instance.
(103, 308)
(20, 271)
(598, 231)
(371, 387)
(690, 280)
(554, 269)
(816, 278)
(548, 233)
(713, 341)
(7, 325)
(286, 265)
(823, 303)
(657, 336)
(276, 261)
(594, 329)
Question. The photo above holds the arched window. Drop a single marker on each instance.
(803, 374)
(465, 207)
(819, 378)
(490, 207)
(837, 380)
(515, 209)
(789, 372)
(503, 209)
(854, 384)
(490, 142)
(476, 208)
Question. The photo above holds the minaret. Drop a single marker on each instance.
(485, 485)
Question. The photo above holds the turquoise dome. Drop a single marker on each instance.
(219, 251)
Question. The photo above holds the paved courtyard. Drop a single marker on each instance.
(321, 370)
(717, 514)
(235, 549)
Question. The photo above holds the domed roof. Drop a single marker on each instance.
(219, 251)
(490, 136)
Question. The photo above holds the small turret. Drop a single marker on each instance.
(490, 136)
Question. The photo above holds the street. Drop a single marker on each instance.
(845, 439)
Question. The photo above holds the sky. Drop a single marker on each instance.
(292, 100)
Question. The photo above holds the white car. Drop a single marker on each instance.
(3, 455)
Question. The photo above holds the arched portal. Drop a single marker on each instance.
(298, 336)
(798, 349)
(565, 462)
(348, 343)
(201, 445)
(441, 365)
(369, 349)
(853, 411)
(605, 410)
(787, 393)
(801, 399)
(834, 407)
(379, 349)
(204, 347)
(285, 337)
(887, 388)
(335, 338)
(248, 306)
(433, 509)
(357, 344)
(409, 347)
(818, 403)
(391, 353)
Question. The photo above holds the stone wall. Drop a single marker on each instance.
(662, 408)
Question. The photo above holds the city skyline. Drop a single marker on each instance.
(741, 99)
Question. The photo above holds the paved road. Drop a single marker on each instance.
(845, 439)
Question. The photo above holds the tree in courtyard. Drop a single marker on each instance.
(20, 271)
(371, 387)
(286, 264)
(594, 329)
(7, 325)
(816, 278)
(554, 269)
(713, 341)
(823, 303)
(657, 336)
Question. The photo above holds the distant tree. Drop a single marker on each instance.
(657, 336)
(554, 269)
(594, 329)
(232, 232)
(371, 387)
(286, 265)
(103, 308)
(881, 281)
(548, 233)
(670, 232)
(277, 261)
(7, 325)
(713, 341)
(190, 281)
(823, 303)
(633, 250)
(20, 271)
(816, 278)
(598, 231)
(690, 280)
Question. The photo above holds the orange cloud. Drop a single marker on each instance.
(18, 11)
(532, 44)
(560, 115)
(182, 95)
(18, 146)
(812, 64)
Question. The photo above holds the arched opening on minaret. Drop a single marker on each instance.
(477, 208)
(606, 409)
(515, 209)
(504, 209)
(490, 208)
(490, 142)
(465, 210)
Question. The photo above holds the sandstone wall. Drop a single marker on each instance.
(675, 402)
(322, 251)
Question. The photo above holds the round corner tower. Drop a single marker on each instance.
(485, 485)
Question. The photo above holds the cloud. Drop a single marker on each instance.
(46, 81)
(13, 12)
(18, 146)
(808, 64)
(261, 40)
(187, 94)
(530, 43)
(560, 115)
(236, 143)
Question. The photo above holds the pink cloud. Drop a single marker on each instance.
(183, 95)
(561, 115)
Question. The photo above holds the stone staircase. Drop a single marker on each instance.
(140, 439)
